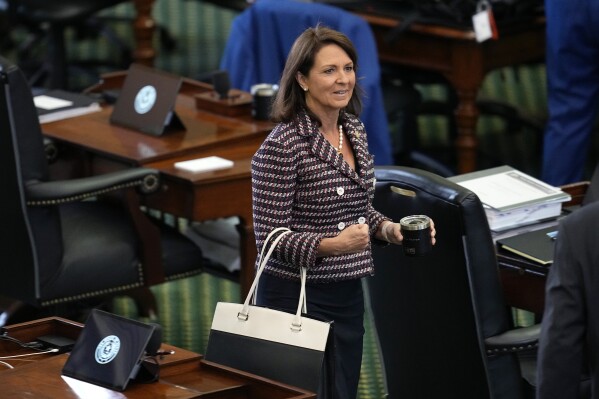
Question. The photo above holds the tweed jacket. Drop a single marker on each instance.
(299, 181)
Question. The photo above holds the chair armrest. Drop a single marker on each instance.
(51, 150)
(577, 191)
(516, 340)
(146, 180)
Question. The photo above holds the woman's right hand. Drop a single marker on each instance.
(352, 239)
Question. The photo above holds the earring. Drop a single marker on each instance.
(305, 88)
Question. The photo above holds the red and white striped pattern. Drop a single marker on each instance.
(299, 181)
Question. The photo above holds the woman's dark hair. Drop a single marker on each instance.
(290, 98)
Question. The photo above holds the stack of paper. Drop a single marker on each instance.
(513, 198)
(59, 104)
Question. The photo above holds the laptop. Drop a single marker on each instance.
(147, 100)
(109, 350)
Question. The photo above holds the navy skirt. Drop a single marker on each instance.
(343, 303)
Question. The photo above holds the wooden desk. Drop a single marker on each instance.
(523, 281)
(183, 375)
(93, 146)
(462, 60)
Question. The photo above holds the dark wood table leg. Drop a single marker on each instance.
(248, 254)
(466, 77)
(467, 141)
(143, 28)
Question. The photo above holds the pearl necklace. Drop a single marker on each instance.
(340, 140)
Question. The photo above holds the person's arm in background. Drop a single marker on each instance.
(560, 358)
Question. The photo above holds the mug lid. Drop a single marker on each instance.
(415, 222)
(263, 86)
(265, 92)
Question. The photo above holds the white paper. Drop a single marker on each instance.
(50, 103)
(499, 221)
(69, 113)
(219, 241)
(482, 26)
(504, 189)
(204, 164)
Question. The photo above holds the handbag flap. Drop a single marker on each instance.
(271, 325)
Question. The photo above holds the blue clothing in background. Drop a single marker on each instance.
(262, 35)
(572, 87)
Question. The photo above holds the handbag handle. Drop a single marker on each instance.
(263, 260)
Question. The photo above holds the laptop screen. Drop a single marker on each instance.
(147, 100)
(109, 350)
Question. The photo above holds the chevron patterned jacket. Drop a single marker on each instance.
(299, 181)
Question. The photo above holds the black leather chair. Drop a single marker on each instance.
(46, 23)
(67, 241)
(443, 327)
(404, 104)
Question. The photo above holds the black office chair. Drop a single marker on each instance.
(443, 327)
(404, 104)
(65, 242)
(46, 23)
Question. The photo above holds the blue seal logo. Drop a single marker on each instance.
(107, 349)
(145, 99)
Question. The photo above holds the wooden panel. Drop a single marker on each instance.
(183, 374)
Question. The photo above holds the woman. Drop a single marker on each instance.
(314, 175)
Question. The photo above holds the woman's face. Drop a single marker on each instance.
(330, 82)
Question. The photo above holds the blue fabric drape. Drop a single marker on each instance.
(262, 35)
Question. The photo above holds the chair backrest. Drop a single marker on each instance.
(262, 35)
(432, 313)
(23, 160)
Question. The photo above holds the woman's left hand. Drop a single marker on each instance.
(391, 232)
(433, 232)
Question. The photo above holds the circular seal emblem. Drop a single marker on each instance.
(145, 99)
(107, 349)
